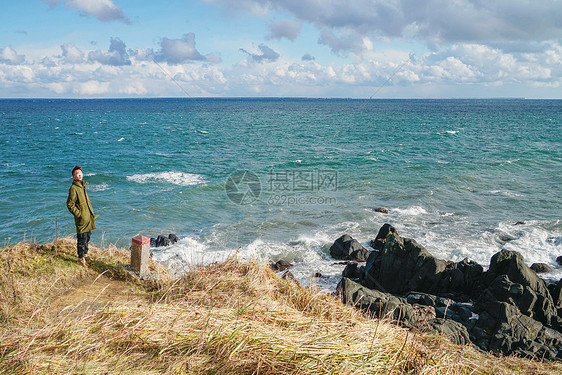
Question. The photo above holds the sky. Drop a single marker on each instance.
(281, 48)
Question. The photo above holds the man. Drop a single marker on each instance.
(79, 205)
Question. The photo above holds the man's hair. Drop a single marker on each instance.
(77, 168)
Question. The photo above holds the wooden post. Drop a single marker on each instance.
(140, 252)
(56, 235)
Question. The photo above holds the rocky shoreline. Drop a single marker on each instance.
(507, 309)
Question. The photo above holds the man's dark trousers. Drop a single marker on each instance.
(83, 239)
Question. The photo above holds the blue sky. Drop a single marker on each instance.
(301, 48)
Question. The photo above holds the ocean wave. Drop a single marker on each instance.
(507, 193)
(410, 211)
(101, 187)
(174, 178)
(308, 253)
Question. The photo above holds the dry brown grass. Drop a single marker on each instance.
(228, 318)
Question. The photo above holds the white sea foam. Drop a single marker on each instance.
(101, 187)
(202, 132)
(120, 139)
(451, 131)
(445, 235)
(308, 254)
(410, 211)
(507, 193)
(174, 178)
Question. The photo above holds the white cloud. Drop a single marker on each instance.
(9, 56)
(177, 51)
(91, 88)
(476, 21)
(266, 54)
(347, 41)
(72, 54)
(117, 54)
(103, 10)
(284, 29)
(463, 67)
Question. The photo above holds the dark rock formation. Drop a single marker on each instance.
(507, 309)
(397, 309)
(351, 271)
(419, 271)
(162, 240)
(280, 265)
(381, 210)
(348, 248)
(510, 264)
(541, 267)
(380, 239)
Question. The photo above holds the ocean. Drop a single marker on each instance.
(278, 178)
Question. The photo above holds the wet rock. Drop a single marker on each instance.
(163, 240)
(280, 265)
(380, 239)
(381, 210)
(384, 304)
(317, 275)
(419, 271)
(360, 255)
(510, 263)
(519, 223)
(351, 271)
(173, 238)
(451, 329)
(348, 248)
(556, 293)
(540, 267)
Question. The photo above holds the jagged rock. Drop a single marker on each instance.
(162, 240)
(173, 238)
(510, 263)
(348, 248)
(514, 310)
(381, 210)
(351, 271)
(421, 299)
(360, 255)
(540, 267)
(380, 239)
(556, 294)
(404, 257)
(384, 304)
(280, 265)
(420, 271)
(451, 329)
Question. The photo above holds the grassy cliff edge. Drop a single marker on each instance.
(227, 318)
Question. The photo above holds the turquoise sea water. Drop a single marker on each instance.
(456, 175)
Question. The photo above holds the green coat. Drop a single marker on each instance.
(79, 205)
